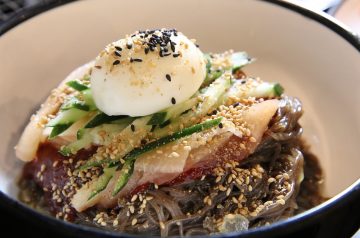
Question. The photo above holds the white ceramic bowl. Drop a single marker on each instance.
(314, 57)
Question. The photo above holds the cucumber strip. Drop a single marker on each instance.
(88, 98)
(128, 166)
(210, 97)
(87, 137)
(157, 118)
(101, 183)
(67, 117)
(239, 60)
(172, 112)
(278, 89)
(102, 118)
(211, 76)
(58, 129)
(64, 120)
(130, 138)
(75, 103)
(77, 85)
(125, 174)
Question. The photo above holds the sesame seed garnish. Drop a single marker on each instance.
(133, 199)
(117, 53)
(116, 62)
(133, 222)
(128, 45)
(146, 50)
(176, 55)
(98, 66)
(168, 77)
(135, 60)
(173, 100)
(132, 126)
(221, 125)
(118, 48)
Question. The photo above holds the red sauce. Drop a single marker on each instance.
(51, 175)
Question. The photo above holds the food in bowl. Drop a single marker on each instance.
(156, 137)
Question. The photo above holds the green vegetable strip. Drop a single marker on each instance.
(278, 89)
(88, 98)
(133, 155)
(125, 174)
(173, 111)
(239, 60)
(58, 129)
(130, 139)
(77, 85)
(87, 137)
(103, 181)
(210, 96)
(102, 118)
(75, 104)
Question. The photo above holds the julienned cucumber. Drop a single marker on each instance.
(77, 85)
(210, 96)
(64, 120)
(133, 155)
(172, 112)
(102, 118)
(260, 90)
(239, 60)
(130, 138)
(75, 103)
(88, 98)
(100, 135)
(102, 182)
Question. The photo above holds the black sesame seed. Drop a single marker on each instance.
(136, 60)
(176, 55)
(118, 48)
(214, 112)
(116, 62)
(172, 47)
(168, 77)
(129, 46)
(221, 125)
(166, 54)
(236, 104)
(132, 127)
(197, 45)
(173, 100)
(146, 50)
(117, 53)
(161, 54)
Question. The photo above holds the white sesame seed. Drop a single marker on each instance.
(133, 199)
(133, 222)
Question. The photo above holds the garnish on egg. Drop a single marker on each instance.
(135, 68)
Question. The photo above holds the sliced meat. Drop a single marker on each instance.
(33, 134)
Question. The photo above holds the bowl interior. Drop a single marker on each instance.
(311, 61)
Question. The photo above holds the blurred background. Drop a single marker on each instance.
(347, 11)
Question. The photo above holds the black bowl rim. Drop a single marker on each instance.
(279, 228)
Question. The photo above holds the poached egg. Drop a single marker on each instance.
(147, 72)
